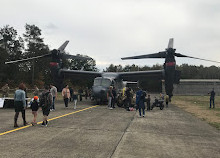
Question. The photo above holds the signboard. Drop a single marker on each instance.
(2, 102)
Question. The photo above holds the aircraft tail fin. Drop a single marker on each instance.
(170, 44)
(63, 46)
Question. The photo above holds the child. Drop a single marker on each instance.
(34, 108)
(75, 99)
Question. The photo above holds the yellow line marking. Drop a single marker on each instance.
(20, 128)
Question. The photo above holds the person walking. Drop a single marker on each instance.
(114, 94)
(46, 100)
(109, 97)
(75, 98)
(20, 104)
(53, 91)
(140, 99)
(142, 104)
(66, 95)
(212, 98)
(138, 95)
(34, 108)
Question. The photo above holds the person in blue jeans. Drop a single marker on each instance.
(53, 91)
(140, 99)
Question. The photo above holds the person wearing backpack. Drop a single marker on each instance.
(66, 95)
(34, 108)
(46, 99)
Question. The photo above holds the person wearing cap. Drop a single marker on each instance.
(34, 108)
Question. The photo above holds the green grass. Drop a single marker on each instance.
(199, 107)
(214, 124)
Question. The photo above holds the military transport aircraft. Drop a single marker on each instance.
(102, 80)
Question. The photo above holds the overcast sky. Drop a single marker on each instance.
(107, 30)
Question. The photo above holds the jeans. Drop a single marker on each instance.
(109, 102)
(212, 101)
(113, 102)
(52, 106)
(66, 100)
(143, 109)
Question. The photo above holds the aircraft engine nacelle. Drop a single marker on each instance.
(177, 76)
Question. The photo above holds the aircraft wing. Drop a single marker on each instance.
(79, 73)
(137, 75)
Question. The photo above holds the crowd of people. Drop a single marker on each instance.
(46, 100)
(128, 96)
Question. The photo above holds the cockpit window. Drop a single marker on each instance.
(106, 82)
(102, 82)
(97, 82)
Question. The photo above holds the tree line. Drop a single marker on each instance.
(36, 72)
(187, 71)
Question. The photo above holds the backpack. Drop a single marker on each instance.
(45, 101)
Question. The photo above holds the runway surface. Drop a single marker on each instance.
(96, 132)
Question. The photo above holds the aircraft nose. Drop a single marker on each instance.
(98, 91)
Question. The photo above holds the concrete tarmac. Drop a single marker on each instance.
(102, 133)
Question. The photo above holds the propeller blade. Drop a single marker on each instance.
(155, 55)
(15, 61)
(68, 56)
(63, 46)
(181, 55)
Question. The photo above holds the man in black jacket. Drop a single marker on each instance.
(212, 98)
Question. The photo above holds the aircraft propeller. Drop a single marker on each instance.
(56, 54)
(164, 55)
(169, 52)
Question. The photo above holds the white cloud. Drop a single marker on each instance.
(110, 29)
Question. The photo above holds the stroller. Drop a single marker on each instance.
(157, 103)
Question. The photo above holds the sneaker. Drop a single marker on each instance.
(25, 123)
(16, 125)
(111, 108)
(143, 115)
(43, 123)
